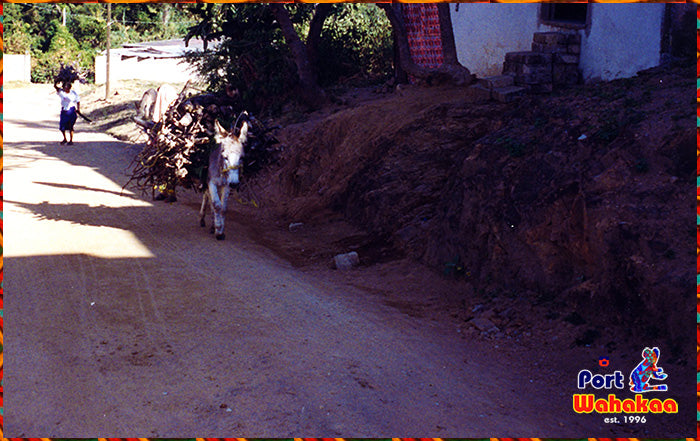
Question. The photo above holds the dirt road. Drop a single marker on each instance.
(125, 318)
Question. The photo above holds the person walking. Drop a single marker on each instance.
(70, 106)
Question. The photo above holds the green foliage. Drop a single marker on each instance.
(39, 29)
(356, 42)
(253, 55)
(20, 39)
(147, 22)
(62, 43)
(254, 58)
(63, 49)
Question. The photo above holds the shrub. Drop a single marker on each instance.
(355, 42)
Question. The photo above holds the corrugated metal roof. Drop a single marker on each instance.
(157, 49)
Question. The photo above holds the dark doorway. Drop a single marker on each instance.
(565, 13)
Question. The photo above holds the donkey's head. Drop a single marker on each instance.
(229, 142)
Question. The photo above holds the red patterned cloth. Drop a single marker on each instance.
(423, 32)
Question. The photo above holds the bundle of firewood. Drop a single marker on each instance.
(178, 146)
(68, 74)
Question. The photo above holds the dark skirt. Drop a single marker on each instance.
(68, 118)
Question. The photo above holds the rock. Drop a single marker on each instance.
(507, 94)
(479, 93)
(346, 261)
(494, 82)
(484, 325)
(295, 226)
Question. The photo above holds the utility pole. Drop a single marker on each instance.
(109, 43)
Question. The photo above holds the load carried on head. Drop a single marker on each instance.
(68, 74)
(180, 141)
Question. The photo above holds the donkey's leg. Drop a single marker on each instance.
(217, 209)
(214, 196)
(203, 209)
(225, 190)
(222, 215)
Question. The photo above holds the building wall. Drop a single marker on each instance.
(166, 70)
(621, 39)
(485, 32)
(17, 67)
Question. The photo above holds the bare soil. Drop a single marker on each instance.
(579, 202)
(538, 235)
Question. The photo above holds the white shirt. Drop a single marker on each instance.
(68, 100)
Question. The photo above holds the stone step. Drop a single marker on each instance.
(524, 74)
(496, 81)
(565, 74)
(479, 92)
(555, 38)
(556, 42)
(507, 94)
(574, 49)
(550, 38)
(550, 48)
(566, 59)
(534, 78)
(540, 88)
(528, 57)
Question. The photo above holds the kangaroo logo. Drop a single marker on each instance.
(645, 371)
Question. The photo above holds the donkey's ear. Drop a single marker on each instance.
(219, 130)
(243, 136)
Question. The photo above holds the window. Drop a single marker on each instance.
(565, 14)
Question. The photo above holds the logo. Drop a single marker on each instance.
(645, 371)
(639, 383)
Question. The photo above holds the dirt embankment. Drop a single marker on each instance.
(577, 204)
(581, 199)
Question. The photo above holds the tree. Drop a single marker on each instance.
(250, 54)
(305, 54)
(237, 25)
(450, 71)
(276, 52)
(251, 33)
(76, 32)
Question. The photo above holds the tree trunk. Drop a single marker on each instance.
(449, 72)
(311, 93)
(321, 12)
(399, 74)
(393, 13)
(449, 50)
(166, 14)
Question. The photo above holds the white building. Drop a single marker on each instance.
(617, 40)
(17, 67)
(152, 61)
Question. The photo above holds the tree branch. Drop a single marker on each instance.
(311, 92)
(321, 12)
